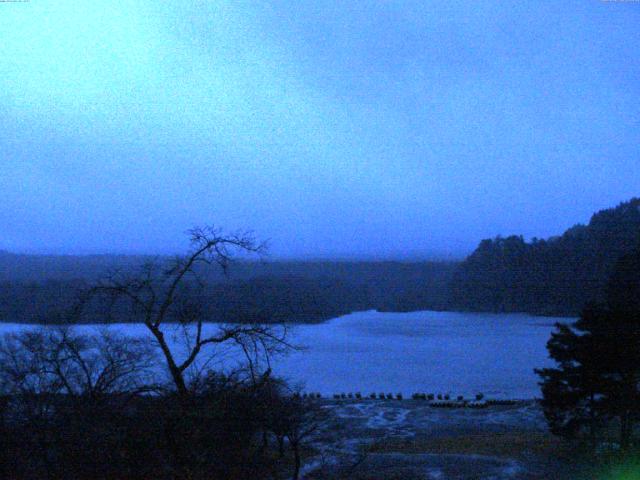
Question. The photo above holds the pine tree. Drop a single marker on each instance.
(571, 393)
(597, 378)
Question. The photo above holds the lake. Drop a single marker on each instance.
(432, 352)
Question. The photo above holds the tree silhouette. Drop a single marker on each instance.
(598, 373)
(159, 295)
(557, 276)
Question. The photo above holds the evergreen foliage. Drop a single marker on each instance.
(557, 276)
(597, 381)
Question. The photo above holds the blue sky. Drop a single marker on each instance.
(350, 129)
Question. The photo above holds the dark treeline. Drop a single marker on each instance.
(557, 276)
(252, 291)
(26, 268)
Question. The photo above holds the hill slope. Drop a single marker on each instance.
(555, 276)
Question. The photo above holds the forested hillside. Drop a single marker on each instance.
(555, 276)
(43, 289)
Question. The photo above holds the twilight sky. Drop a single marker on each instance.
(332, 128)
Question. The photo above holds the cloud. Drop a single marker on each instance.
(372, 128)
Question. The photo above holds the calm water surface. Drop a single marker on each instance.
(460, 353)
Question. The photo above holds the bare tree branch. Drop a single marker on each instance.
(160, 296)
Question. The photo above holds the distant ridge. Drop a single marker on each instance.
(556, 276)
(506, 274)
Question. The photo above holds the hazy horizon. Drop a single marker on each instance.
(368, 130)
(268, 255)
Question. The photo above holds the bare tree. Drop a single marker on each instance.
(292, 417)
(304, 419)
(160, 295)
(56, 383)
(52, 361)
